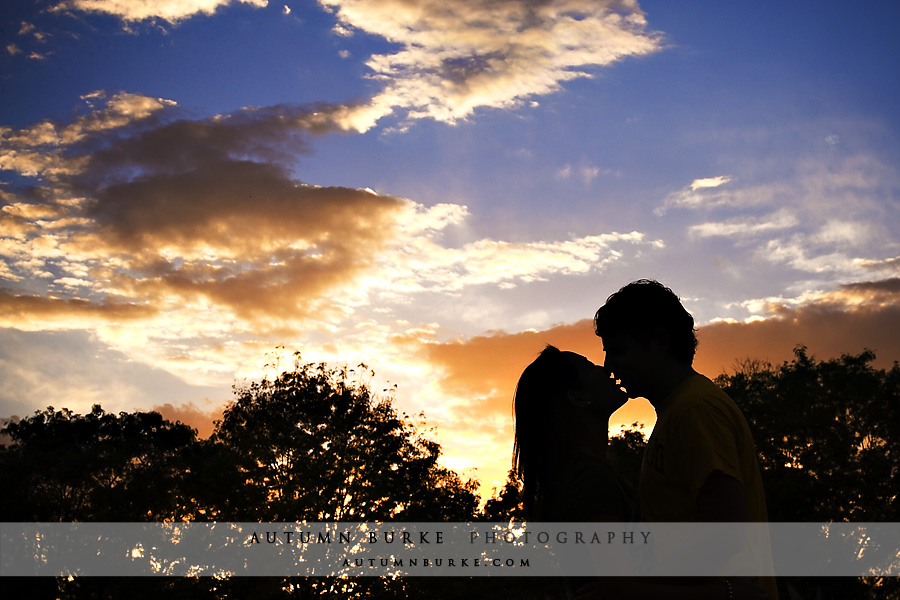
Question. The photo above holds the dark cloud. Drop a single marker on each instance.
(203, 208)
(248, 207)
(240, 233)
(21, 310)
(274, 135)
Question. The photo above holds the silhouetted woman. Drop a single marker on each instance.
(563, 403)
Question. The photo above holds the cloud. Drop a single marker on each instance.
(829, 217)
(75, 370)
(587, 173)
(431, 267)
(723, 191)
(817, 253)
(486, 367)
(454, 56)
(187, 243)
(172, 11)
(854, 317)
(887, 265)
(782, 219)
(710, 182)
(35, 313)
(189, 414)
(44, 149)
(819, 188)
(458, 55)
(170, 238)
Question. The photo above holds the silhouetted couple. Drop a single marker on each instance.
(700, 462)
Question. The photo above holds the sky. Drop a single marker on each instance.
(193, 190)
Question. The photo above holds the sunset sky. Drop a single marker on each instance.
(190, 190)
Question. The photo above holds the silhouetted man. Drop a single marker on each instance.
(700, 462)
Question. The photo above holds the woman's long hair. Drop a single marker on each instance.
(540, 392)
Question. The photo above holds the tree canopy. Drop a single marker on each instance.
(63, 466)
(827, 435)
(324, 448)
(315, 443)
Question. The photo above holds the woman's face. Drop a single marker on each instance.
(596, 386)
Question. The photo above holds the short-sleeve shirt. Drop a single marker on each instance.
(698, 430)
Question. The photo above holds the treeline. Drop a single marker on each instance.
(828, 439)
(317, 444)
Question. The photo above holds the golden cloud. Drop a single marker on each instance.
(187, 212)
(34, 313)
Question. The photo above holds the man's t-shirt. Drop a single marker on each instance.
(698, 430)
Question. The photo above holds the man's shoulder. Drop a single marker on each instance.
(698, 398)
(699, 389)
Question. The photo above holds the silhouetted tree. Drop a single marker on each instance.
(626, 453)
(324, 448)
(505, 505)
(828, 438)
(63, 466)
(825, 431)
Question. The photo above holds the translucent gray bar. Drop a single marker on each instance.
(449, 549)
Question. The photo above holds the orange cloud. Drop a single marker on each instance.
(240, 234)
(191, 415)
(485, 369)
(187, 213)
(858, 316)
(488, 367)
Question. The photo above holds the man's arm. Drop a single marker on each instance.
(721, 499)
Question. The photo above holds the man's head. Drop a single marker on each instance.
(645, 329)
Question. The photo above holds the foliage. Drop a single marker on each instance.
(626, 453)
(828, 440)
(315, 443)
(99, 466)
(825, 432)
(505, 505)
(312, 444)
(325, 449)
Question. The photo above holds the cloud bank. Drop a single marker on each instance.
(182, 241)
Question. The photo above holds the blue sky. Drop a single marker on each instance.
(435, 188)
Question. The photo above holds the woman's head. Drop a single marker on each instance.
(555, 396)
